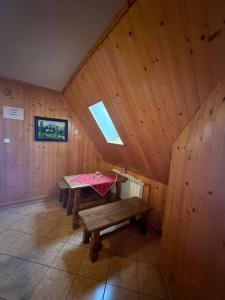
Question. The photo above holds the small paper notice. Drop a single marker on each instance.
(10, 112)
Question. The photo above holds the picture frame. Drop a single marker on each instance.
(50, 129)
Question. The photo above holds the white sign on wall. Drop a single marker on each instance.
(10, 112)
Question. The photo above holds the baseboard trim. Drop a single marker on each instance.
(29, 200)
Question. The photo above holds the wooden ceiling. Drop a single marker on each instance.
(153, 71)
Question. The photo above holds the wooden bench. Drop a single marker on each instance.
(63, 192)
(102, 217)
(74, 201)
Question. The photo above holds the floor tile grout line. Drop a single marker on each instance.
(75, 274)
(71, 242)
(107, 282)
(47, 266)
(116, 285)
(68, 293)
(103, 296)
(107, 275)
(157, 298)
(35, 262)
(38, 215)
(31, 234)
(34, 202)
(83, 276)
(39, 282)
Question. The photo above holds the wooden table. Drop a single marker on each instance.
(73, 205)
(104, 216)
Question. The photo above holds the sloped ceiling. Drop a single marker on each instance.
(43, 42)
(153, 71)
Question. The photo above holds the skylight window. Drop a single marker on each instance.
(105, 123)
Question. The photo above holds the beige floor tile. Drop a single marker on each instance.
(42, 233)
(34, 225)
(30, 210)
(96, 270)
(150, 280)
(23, 247)
(126, 247)
(109, 243)
(86, 289)
(45, 250)
(123, 272)
(54, 285)
(18, 278)
(36, 209)
(16, 243)
(147, 297)
(2, 230)
(76, 236)
(51, 204)
(56, 214)
(8, 237)
(42, 226)
(118, 293)
(70, 257)
(20, 209)
(149, 251)
(24, 224)
(61, 232)
(8, 219)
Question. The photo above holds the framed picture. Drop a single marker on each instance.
(50, 129)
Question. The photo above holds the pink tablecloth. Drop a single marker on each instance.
(101, 184)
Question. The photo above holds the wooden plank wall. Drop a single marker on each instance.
(153, 71)
(154, 194)
(193, 249)
(28, 169)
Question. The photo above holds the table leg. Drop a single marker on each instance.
(118, 190)
(70, 203)
(76, 208)
(86, 236)
(95, 245)
(144, 222)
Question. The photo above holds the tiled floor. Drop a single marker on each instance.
(41, 257)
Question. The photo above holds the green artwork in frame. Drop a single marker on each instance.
(50, 129)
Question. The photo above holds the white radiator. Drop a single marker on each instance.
(131, 188)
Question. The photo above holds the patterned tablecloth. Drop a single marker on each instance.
(100, 183)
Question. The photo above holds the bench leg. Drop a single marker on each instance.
(95, 245)
(144, 223)
(86, 236)
(76, 208)
(61, 195)
(65, 198)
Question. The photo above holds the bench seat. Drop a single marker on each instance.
(104, 216)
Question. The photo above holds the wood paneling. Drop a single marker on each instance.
(153, 71)
(154, 194)
(193, 250)
(28, 169)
